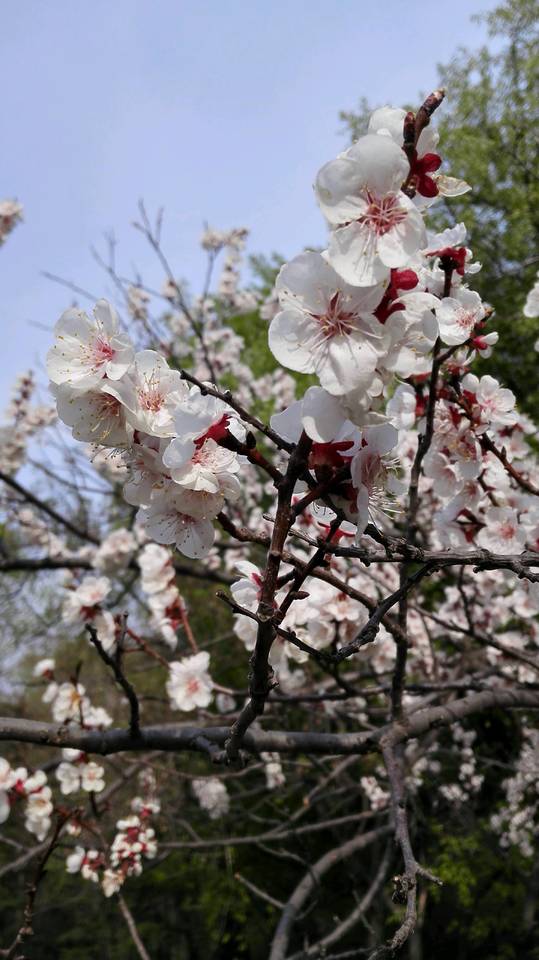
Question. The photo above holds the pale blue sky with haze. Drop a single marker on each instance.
(219, 111)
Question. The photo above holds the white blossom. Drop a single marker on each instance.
(189, 684)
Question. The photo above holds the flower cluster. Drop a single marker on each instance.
(23, 419)
(517, 820)
(180, 474)
(77, 772)
(133, 843)
(212, 796)
(69, 701)
(17, 784)
(189, 684)
(83, 604)
(158, 581)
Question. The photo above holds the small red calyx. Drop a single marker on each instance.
(403, 280)
(88, 613)
(452, 258)
(218, 431)
(349, 492)
(337, 535)
(330, 454)
(456, 417)
(399, 280)
(468, 524)
(174, 613)
(18, 790)
(420, 406)
(420, 170)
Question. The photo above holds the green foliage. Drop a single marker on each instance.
(481, 906)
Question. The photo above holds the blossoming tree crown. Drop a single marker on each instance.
(393, 466)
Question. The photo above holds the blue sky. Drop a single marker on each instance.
(217, 111)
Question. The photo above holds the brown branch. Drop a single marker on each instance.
(271, 836)
(261, 894)
(368, 633)
(261, 675)
(311, 879)
(36, 564)
(187, 627)
(153, 237)
(26, 929)
(280, 631)
(488, 444)
(226, 397)
(478, 559)
(115, 665)
(319, 949)
(244, 535)
(45, 508)
(132, 927)
(406, 885)
(179, 737)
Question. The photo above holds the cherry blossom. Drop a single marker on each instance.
(366, 317)
(69, 701)
(212, 796)
(439, 467)
(503, 534)
(490, 403)
(44, 668)
(150, 393)
(95, 415)
(182, 517)
(410, 333)
(6, 782)
(424, 159)
(133, 841)
(325, 326)
(88, 862)
(146, 471)
(137, 302)
(189, 684)
(206, 467)
(402, 406)
(83, 605)
(204, 417)
(371, 471)
(115, 551)
(273, 770)
(376, 226)
(80, 775)
(39, 808)
(86, 350)
(458, 316)
(531, 307)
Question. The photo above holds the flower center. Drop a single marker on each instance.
(102, 351)
(109, 406)
(383, 213)
(335, 321)
(151, 399)
(507, 530)
(465, 319)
